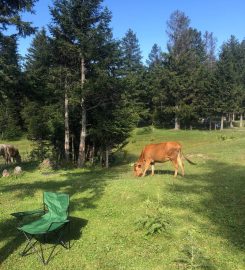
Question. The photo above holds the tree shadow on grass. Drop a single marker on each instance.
(225, 205)
(85, 189)
(8, 231)
(161, 172)
(26, 166)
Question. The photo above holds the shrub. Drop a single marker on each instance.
(223, 137)
(145, 130)
(153, 224)
(192, 257)
(156, 220)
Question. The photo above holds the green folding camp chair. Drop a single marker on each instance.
(53, 223)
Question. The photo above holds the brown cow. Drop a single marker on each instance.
(160, 152)
(12, 154)
(3, 152)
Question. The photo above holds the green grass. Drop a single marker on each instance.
(202, 215)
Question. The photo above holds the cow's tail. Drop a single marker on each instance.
(191, 162)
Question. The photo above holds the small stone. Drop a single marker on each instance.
(5, 173)
(17, 170)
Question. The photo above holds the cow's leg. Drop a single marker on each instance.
(176, 166)
(147, 164)
(181, 164)
(7, 156)
(152, 168)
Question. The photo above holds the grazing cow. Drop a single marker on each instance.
(10, 153)
(13, 154)
(3, 152)
(160, 152)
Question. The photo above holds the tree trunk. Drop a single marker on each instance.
(91, 151)
(176, 123)
(231, 120)
(210, 123)
(176, 119)
(101, 157)
(67, 130)
(233, 117)
(81, 154)
(241, 120)
(222, 122)
(72, 148)
(107, 157)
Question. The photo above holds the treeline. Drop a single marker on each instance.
(79, 92)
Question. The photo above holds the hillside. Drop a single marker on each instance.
(122, 222)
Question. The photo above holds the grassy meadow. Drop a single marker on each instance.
(122, 222)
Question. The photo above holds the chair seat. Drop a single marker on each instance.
(43, 225)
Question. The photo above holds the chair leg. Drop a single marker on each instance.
(32, 245)
(29, 245)
(61, 234)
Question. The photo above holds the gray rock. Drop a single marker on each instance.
(5, 173)
(17, 170)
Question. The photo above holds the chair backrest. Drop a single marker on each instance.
(57, 204)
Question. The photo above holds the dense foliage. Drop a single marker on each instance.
(81, 92)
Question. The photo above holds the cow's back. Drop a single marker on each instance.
(161, 152)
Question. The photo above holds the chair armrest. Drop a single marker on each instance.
(21, 215)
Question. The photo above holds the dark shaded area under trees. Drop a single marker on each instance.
(81, 92)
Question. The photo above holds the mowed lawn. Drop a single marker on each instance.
(200, 218)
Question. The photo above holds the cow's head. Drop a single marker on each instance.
(18, 157)
(138, 169)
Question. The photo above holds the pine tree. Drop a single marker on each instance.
(10, 15)
(43, 91)
(186, 54)
(155, 57)
(90, 61)
(228, 74)
(131, 53)
(133, 73)
(11, 80)
(83, 27)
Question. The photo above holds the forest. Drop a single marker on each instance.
(79, 92)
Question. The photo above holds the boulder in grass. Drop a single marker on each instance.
(17, 170)
(46, 164)
(5, 173)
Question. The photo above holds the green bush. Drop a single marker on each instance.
(10, 128)
(192, 257)
(153, 224)
(156, 220)
(223, 137)
(12, 131)
(145, 130)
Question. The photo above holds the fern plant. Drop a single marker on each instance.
(192, 257)
(153, 224)
(156, 219)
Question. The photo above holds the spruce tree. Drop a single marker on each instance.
(11, 79)
(184, 60)
(155, 57)
(228, 77)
